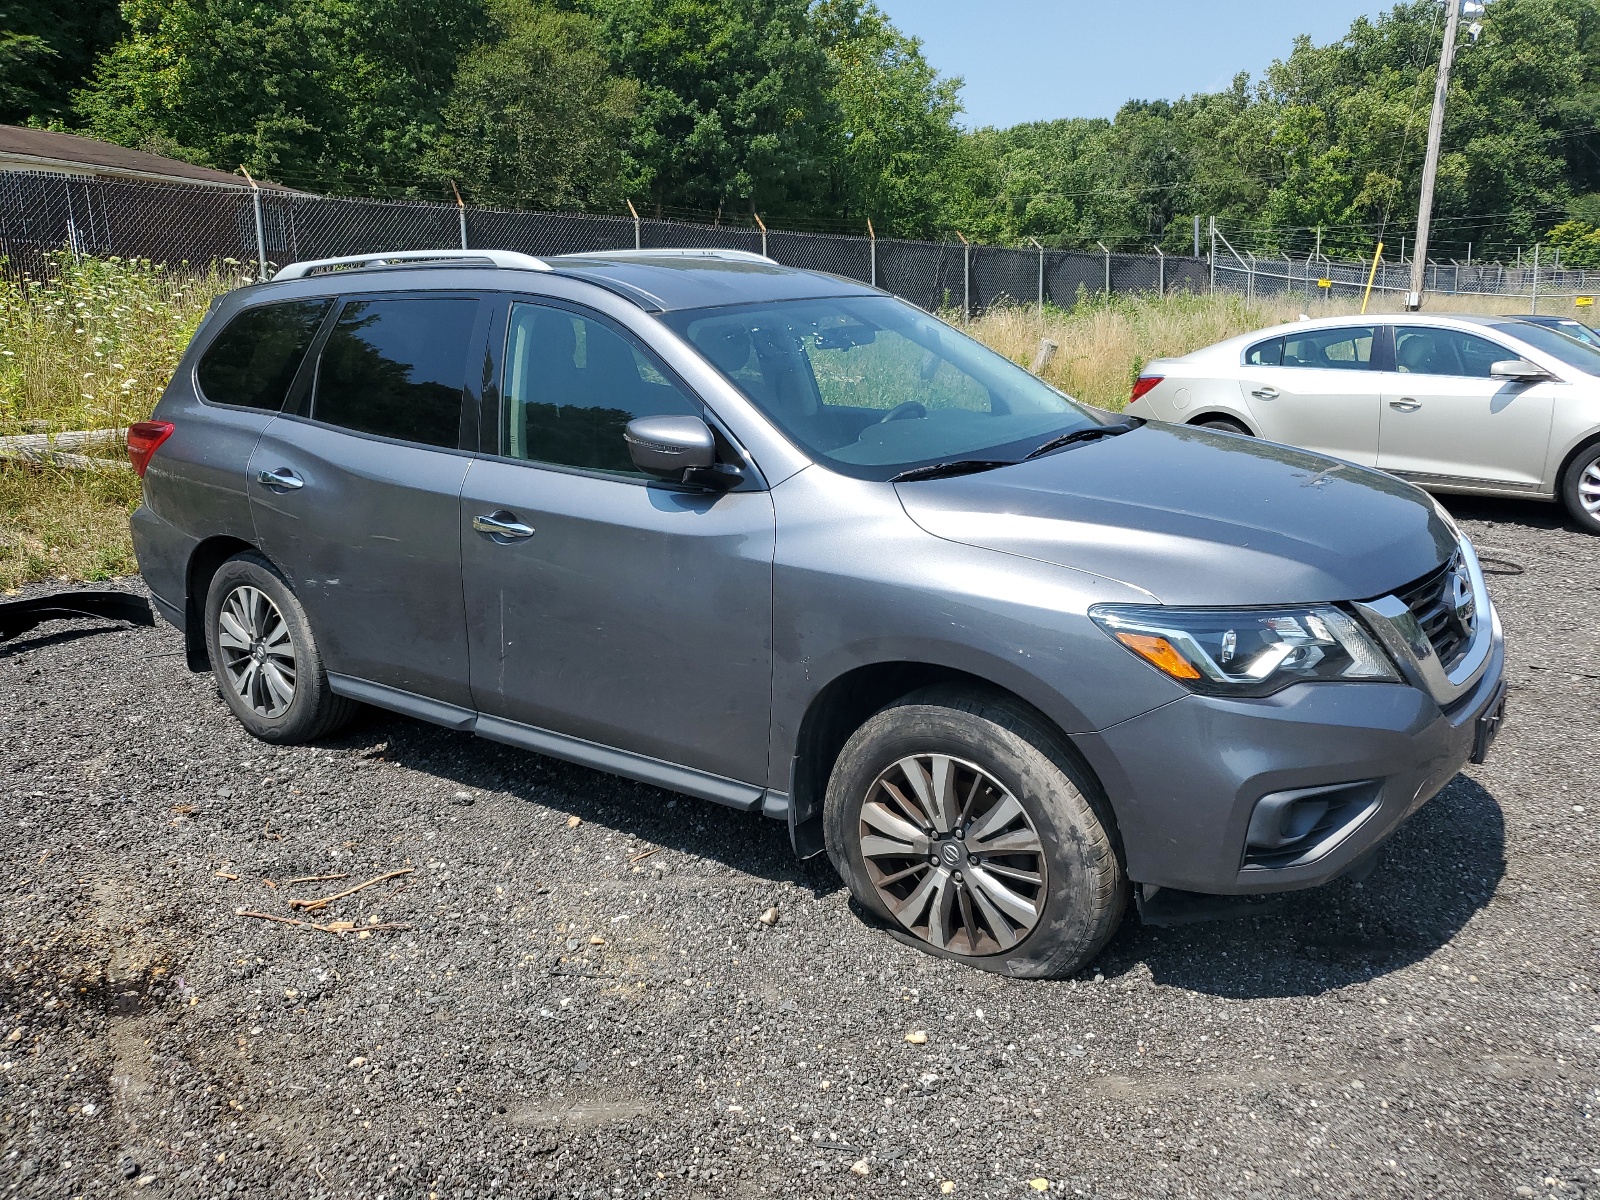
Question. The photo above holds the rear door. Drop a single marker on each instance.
(356, 494)
(1318, 389)
(1444, 418)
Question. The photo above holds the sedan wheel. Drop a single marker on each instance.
(256, 651)
(952, 854)
(1580, 488)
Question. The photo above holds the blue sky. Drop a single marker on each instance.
(1034, 60)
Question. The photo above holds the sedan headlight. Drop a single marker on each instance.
(1247, 652)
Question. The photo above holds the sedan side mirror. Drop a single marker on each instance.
(1518, 369)
(680, 449)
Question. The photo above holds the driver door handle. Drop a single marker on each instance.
(502, 526)
(1264, 392)
(283, 478)
(1405, 404)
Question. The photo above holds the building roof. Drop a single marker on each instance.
(22, 148)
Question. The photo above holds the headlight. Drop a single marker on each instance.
(1247, 652)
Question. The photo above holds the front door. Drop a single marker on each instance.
(600, 604)
(1317, 389)
(358, 500)
(1444, 418)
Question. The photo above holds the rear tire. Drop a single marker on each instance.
(1020, 876)
(264, 657)
(1580, 488)
(1225, 425)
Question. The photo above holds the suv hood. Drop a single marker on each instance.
(1197, 517)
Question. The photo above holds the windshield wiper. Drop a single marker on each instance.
(958, 466)
(1080, 435)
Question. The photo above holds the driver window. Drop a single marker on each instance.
(571, 386)
(1424, 351)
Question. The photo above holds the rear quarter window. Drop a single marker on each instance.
(1265, 354)
(252, 362)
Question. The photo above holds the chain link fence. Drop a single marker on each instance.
(196, 226)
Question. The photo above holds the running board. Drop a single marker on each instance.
(745, 797)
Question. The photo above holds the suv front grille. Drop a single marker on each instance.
(1431, 602)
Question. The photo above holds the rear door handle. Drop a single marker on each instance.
(1405, 405)
(502, 526)
(283, 478)
(1264, 393)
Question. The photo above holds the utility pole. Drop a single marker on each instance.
(1430, 165)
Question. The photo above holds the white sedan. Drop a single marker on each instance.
(1490, 406)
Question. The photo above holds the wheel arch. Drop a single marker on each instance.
(1586, 442)
(845, 703)
(1220, 414)
(204, 560)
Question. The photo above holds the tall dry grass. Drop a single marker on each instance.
(1101, 346)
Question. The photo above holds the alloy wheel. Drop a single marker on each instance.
(1589, 489)
(953, 854)
(256, 650)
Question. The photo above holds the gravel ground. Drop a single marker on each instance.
(587, 1002)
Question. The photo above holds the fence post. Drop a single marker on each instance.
(1040, 248)
(1535, 307)
(461, 211)
(1250, 280)
(261, 229)
(1107, 253)
(1213, 255)
(1197, 235)
(966, 278)
(761, 225)
(1161, 271)
(872, 251)
(637, 242)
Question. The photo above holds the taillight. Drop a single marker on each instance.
(1143, 384)
(143, 438)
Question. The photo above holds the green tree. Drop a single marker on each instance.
(343, 95)
(734, 105)
(896, 121)
(535, 118)
(46, 51)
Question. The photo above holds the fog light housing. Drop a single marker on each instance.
(1293, 827)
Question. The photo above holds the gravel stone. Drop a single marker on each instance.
(560, 1021)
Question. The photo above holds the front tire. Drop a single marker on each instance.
(265, 659)
(1580, 488)
(963, 823)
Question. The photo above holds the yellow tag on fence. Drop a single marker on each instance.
(1325, 283)
(1583, 301)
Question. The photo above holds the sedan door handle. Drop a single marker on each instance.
(502, 526)
(1264, 392)
(283, 478)
(1406, 404)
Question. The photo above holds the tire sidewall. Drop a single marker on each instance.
(1055, 802)
(302, 712)
(1586, 458)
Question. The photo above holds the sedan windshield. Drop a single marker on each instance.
(1556, 344)
(873, 387)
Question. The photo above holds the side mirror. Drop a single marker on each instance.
(1518, 369)
(680, 449)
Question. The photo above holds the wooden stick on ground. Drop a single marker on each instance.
(340, 927)
(323, 901)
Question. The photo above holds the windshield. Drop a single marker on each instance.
(1556, 344)
(872, 387)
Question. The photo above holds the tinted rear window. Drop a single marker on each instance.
(1265, 354)
(397, 368)
(253, 360)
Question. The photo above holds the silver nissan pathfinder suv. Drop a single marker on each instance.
(781, 541)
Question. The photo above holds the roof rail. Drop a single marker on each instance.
(508, 259)
(713, 252)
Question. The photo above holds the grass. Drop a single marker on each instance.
(92, 345)
(89, 346)
(1101, 347)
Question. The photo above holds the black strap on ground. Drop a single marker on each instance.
(19, 616)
